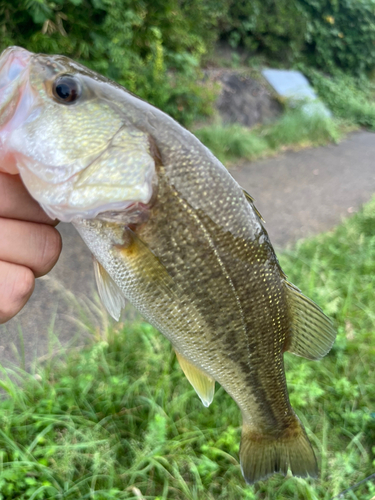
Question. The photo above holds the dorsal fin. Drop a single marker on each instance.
(250, 199)
(203, 384)
(312, 333)
(109, 293)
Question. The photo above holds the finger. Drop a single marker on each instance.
(36, 246)
(16, 286)
(16, 202)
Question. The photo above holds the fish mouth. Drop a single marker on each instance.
(14, 68)
(14, 62)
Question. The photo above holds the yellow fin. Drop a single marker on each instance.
(312, 333)
(109, 293)
(203, 384)
(263, 454)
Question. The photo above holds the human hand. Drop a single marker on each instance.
(29, 245)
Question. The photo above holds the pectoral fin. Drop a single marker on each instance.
(312, 333)
(202, 383)
(109, 293)
(146, 264)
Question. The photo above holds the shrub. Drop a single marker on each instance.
(340, 34)
(273, 26)
(348, 97)
(152, 47)
(328, 34)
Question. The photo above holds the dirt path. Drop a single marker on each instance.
(310, 191)
(298, 194)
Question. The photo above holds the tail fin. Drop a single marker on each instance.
(262, 454)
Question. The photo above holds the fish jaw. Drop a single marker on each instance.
(14, 66)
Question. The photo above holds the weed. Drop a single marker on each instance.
(120, 421)
(296, 128)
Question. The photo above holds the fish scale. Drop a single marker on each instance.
(172, 232)
(205, 246)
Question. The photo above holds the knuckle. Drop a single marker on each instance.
(50, 248)
(20, 285)
(24, 285)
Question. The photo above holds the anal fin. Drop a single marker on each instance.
(312, 333)
(109, 293)
(203, 384)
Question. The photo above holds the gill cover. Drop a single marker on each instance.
(77, 152)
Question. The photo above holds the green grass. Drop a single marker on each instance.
(120, 421)
(295, 129)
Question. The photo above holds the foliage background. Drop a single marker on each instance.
(326, 34)
(155, 48)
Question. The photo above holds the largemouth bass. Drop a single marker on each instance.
(172, 232)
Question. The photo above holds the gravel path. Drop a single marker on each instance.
(298, 193)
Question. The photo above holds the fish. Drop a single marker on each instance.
(171, 232)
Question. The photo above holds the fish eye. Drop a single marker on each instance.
(66, 89)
